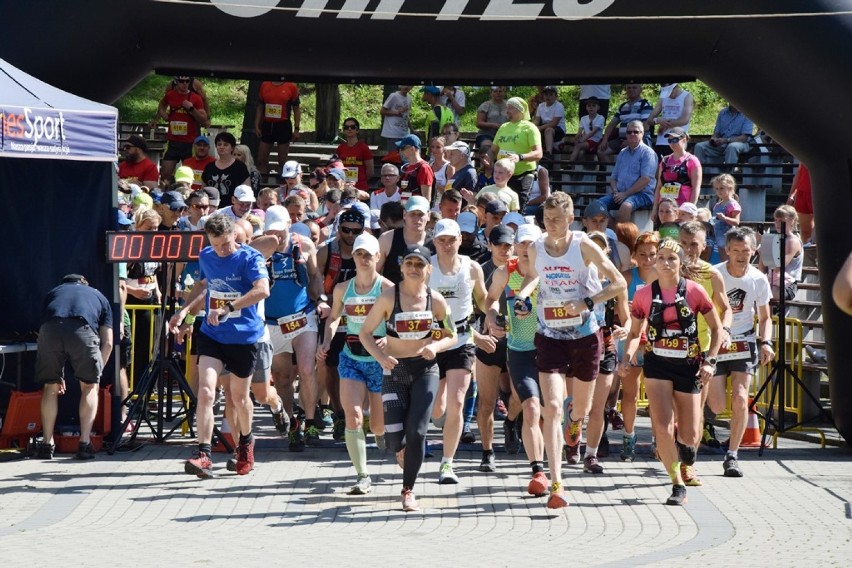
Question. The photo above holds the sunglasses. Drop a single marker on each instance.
(389, 175)
(634, 132)
(348, 231)
(183, 80)
(198, 206)
(350, 127)
(675, 139)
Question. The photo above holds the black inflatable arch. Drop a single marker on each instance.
(784, 63)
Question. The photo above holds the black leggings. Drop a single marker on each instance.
(408, 395)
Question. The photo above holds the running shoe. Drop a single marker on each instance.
(708, 439)
(511, 441)
(488, 464)
(339, 431)
(591, 465)
(572, 454)
(628, 448)
(324, 418)
(538, 484)
(467, 436)
(365, 424)
(732, 467)
(363, 486)
(690, 475)
(446, 476)
(45, 451)
(280, 419)
(615, 419)
(381, 443)
(245, 457)
(85, 451)
(296, 437)
(409, 503)
(557, 498)
(231, 464)
(199, 464)
(312, 435)
(678, 496)
(500, 412)
(573, 432)
(603, 447)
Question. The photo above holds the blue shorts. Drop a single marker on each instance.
(639, 201)
(640, 353)
(369, 372)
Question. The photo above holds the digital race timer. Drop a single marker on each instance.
(154, 246)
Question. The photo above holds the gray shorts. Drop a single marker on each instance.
(263, 366)
(748, 365)
(67, 339)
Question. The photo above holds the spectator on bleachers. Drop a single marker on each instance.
(730, 138)
(389, 190)
(726, 211)
(277, 101)
(439, 115)
(519, 141)
(793, 255)
(137, 167)
(600, 92)
(503, 172)
(615, 134)
(550, 120)
(199, 160)
(539, 192)
(465, 176)
(485, 173)
(450, 132)
(536, 99)
(185, 112)
(395, 112)
(453, 98)
(800, 199)
(243, 154)
(632, 182)
(490, 115)
(679, 174)
(356, 155)
(673, 109)
(226, 172)
(590, 133)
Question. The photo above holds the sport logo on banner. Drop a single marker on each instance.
(33, 131)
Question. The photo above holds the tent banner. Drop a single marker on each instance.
(29, 132)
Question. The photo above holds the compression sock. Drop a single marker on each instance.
(245, 438)
(356, 445)
(537, 466)
(206, 448)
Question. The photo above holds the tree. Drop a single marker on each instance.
(327, 112)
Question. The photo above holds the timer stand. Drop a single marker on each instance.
(161, 398)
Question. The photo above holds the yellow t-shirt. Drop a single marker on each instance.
(506, 194)
(518, 137)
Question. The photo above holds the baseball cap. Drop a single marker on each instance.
(594, 209)
(143, 198)
(301, 229)
(137, 141)
(677, 132)
(460, 146)
(212, 195)
(367, 242)
(203, 139)
(337, 173)
(244, 193)
(689, 207)
(514, 217)
(468, 222)
(417, 203)
(496, 207)
(184, 174)
(418, 251)
(593, 100)
(501, 234)
(173, 199)
(277, 218)
(431, 90)
(528, 232)
(446, 227)
(409, 140)
(290, 169)
(549, 88)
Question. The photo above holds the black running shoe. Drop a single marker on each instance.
(678, 496)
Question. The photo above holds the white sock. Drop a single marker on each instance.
(447, 460)
(591, 452)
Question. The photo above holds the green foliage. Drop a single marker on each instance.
(227, 100)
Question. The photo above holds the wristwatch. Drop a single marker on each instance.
(589, 303)
(711, 361)
(322, 298)
(230, 305)
(767, 342)
(728, 329)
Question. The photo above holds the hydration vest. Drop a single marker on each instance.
(687, 322)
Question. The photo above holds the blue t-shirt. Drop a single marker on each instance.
(229, 278)
(630, 165)
(74, 300)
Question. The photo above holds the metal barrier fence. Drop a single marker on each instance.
(134, 311)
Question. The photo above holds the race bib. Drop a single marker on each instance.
(412, 325)
(672, 347)
(670, 190)
(219, 299)
(357, 308)
(404, 196)
(738, 350)
(196, 176)
(272, 111)
(557, 316)
(293, 325)
(179, 127)
(352, 175)
(504, 154)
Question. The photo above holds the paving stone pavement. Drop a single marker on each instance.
(139, 507)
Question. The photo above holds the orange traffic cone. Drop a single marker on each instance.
(751, 436)
(226, 434)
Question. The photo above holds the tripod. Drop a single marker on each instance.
(781, 369)
(163, 378)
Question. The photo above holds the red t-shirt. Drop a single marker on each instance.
(278, 100)
(418, 175)
(197, 166)
(354, 160)
(696, 298)
(143, 170)
(182, 127)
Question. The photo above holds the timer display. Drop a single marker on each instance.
(154, 246)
